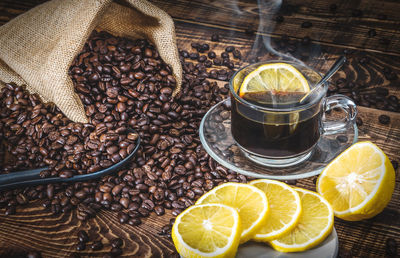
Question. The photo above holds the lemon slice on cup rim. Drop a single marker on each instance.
(278, 79)
(274, 77)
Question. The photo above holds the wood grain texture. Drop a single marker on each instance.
(55, 236)
(34, 228)
(339, 28)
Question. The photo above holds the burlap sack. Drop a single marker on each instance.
(37, 47)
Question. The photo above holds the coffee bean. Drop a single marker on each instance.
(395, 164)
(391, 247)
(139, 75)
(66, 174)
(382, 16)
(123, 217)
(249, 30)
(124, 202)
(291, 182)
(230, 49)
(215, 37)
(279, 18)
(83, 236)
(237, 54)
(166, 91)
(81, 246)
(166, 230)
(115, 252)
(359, 121)
(195, 45)
(159, 210)
(117, 242)
(193, 56)
(134, 221)
(384, 119)
(10, 210)
(211, 54)
(356, 13)
(342, 138)
(217, 62)
(306, 40)
(176, 212)
(306, 24)
(96, 245)
(333, 8)
(21, 199)
(80, 194)
(204, 47)
(372, 33)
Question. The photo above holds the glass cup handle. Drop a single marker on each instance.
(347, 105)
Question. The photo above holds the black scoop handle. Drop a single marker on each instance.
(31, 177)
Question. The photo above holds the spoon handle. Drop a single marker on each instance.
(336, 66)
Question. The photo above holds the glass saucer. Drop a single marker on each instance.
(216, 137)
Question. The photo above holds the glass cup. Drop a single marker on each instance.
(284, 132)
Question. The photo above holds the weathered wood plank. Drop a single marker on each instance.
(34, 228)
(338, 29)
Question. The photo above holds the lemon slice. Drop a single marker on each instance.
(285, 209)
(314, 225)
(209, 230)
(274, 77)
(359, 183)
(248, 200)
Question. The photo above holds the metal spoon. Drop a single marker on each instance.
(31, 177)
(336, 66)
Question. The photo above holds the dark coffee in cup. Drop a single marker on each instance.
(275, 134)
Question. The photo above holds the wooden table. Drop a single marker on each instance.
(332, 34)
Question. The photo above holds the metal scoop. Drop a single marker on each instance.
(31, 177)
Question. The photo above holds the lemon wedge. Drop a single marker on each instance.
(359, 183)
(250, 202)
(314, 225)
(208, 230)
(274, 77)
(285, 209)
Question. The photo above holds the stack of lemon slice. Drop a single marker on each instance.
(197, 233)
(270, 211)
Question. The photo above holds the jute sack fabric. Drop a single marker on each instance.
(38, 47)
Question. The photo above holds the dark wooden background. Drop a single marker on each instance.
(246, 26)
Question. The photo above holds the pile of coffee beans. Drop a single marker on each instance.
(39, 135)
(123, 84)
(376, 97)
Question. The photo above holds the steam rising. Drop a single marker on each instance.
(267, 11)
